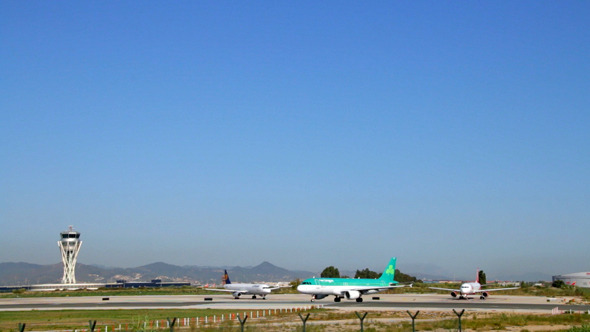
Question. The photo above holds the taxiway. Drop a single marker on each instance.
(286, 301)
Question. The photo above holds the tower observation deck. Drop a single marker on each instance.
(69, 245)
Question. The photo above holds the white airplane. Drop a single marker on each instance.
(352, 289)
(247, 289)
(472, 288)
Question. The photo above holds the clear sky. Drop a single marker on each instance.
(451, 134)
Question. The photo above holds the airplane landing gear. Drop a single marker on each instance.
(360, 299)
(482, 297)
(337, 299)
(253, 297)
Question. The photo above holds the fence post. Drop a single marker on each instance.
(361, 318)
(304, 320)
(21, 327)
(459, 315)
(92, 325)
(413, 319)
(242, 322)
(171, 323)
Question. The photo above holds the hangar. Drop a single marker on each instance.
(580, 279)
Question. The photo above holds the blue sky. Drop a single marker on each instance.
(453, 135)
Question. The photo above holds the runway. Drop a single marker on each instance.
(424, 302)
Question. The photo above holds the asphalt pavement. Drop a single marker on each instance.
(287, 301)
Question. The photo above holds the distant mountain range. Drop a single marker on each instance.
(26, 274)
(13, 274)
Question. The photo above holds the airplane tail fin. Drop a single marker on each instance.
(225, 278)
(477, 276)
(389, 272)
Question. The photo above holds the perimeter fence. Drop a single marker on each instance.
(241, 317)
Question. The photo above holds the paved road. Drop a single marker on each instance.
(285, 301)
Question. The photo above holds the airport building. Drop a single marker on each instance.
(155, 283)
(69, 246)
(580, 279)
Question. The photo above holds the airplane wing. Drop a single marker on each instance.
(373, 289)
(227, 290)
(496, 289)
(277, 287)
(446, 289)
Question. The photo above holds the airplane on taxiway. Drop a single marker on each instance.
(472, 288)
(352, 289)
(238, 289)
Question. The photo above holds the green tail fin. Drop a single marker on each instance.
(389, 272)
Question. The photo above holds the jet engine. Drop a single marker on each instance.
(236, 294)
(351, 295)
(453, 294)
(484, 294)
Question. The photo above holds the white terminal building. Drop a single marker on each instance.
(579, 279)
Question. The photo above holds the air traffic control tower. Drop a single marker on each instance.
(69, 245)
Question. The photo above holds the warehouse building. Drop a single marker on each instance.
(580, 279)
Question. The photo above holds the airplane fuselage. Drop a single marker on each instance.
(251, 289)
(469, 288)
(337, 286)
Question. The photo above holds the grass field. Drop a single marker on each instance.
(128, 319)
(320, 320)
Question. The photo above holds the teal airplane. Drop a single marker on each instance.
(351, 289)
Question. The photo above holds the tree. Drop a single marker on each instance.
(482, 277)
(295, 283)
(558, 284)
(402, 277)
(330, 272)
(366, 273)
